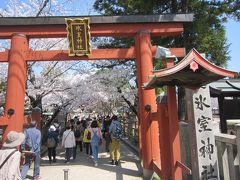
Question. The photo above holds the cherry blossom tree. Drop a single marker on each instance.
(67, 85)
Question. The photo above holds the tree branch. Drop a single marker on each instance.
(64, 71)
(50, 69)
(41, 9)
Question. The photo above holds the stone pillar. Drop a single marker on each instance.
(202, 139)
(16, 82)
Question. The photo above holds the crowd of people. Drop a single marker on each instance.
(88, 134)
(20, 150)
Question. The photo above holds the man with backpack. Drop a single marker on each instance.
(52, 141)
(115, 130)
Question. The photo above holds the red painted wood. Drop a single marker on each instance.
(169, 62)
(155, 137)
(4, 56)
(193, 55)
(36, 116)
(164, 141)
(139, 81)
(175, 150)
(157, 169)
(96, 30)
(16, 83)
(97, 54)
(144, 69)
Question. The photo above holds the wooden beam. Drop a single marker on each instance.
(97, 54)
(4, 121)
(157, 169)
(4, 56)
(96, 30)
(185, 169)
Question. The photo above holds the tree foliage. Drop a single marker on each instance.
(206, 33)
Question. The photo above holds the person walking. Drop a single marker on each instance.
(68, 142)
(32, 143)
(115, 130)
(86, 141)
(78, 133)
(10, 156)
(52, 142)
(106, 134)
(96, 137)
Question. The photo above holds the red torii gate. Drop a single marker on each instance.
(141, 28)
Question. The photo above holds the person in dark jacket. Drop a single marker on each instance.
(106, 134)
(52, 142)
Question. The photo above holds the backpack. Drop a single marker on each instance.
(89, 135)
(51, 142)
(117, 131)
(77, 133)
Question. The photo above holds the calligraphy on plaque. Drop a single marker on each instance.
(203, 142)
(78, 36)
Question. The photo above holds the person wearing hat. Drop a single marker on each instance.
(10, 156)
(32, 143)
(52, 141)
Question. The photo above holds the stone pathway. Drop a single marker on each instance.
(82, 168)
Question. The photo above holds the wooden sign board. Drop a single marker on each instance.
(78, 36)
(203, 149)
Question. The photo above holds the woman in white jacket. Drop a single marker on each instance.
(68, 142)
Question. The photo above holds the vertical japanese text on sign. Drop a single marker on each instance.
(78, 36)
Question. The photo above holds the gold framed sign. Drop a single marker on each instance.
(78, 36)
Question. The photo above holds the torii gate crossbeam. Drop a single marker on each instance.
(96, 54)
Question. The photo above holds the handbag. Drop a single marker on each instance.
(89, 135)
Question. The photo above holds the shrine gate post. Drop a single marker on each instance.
(16, 82)
(148, 131)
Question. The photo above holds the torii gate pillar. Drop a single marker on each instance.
(16, 83)
(148, 131)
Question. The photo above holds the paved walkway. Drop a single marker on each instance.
(82, 168)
